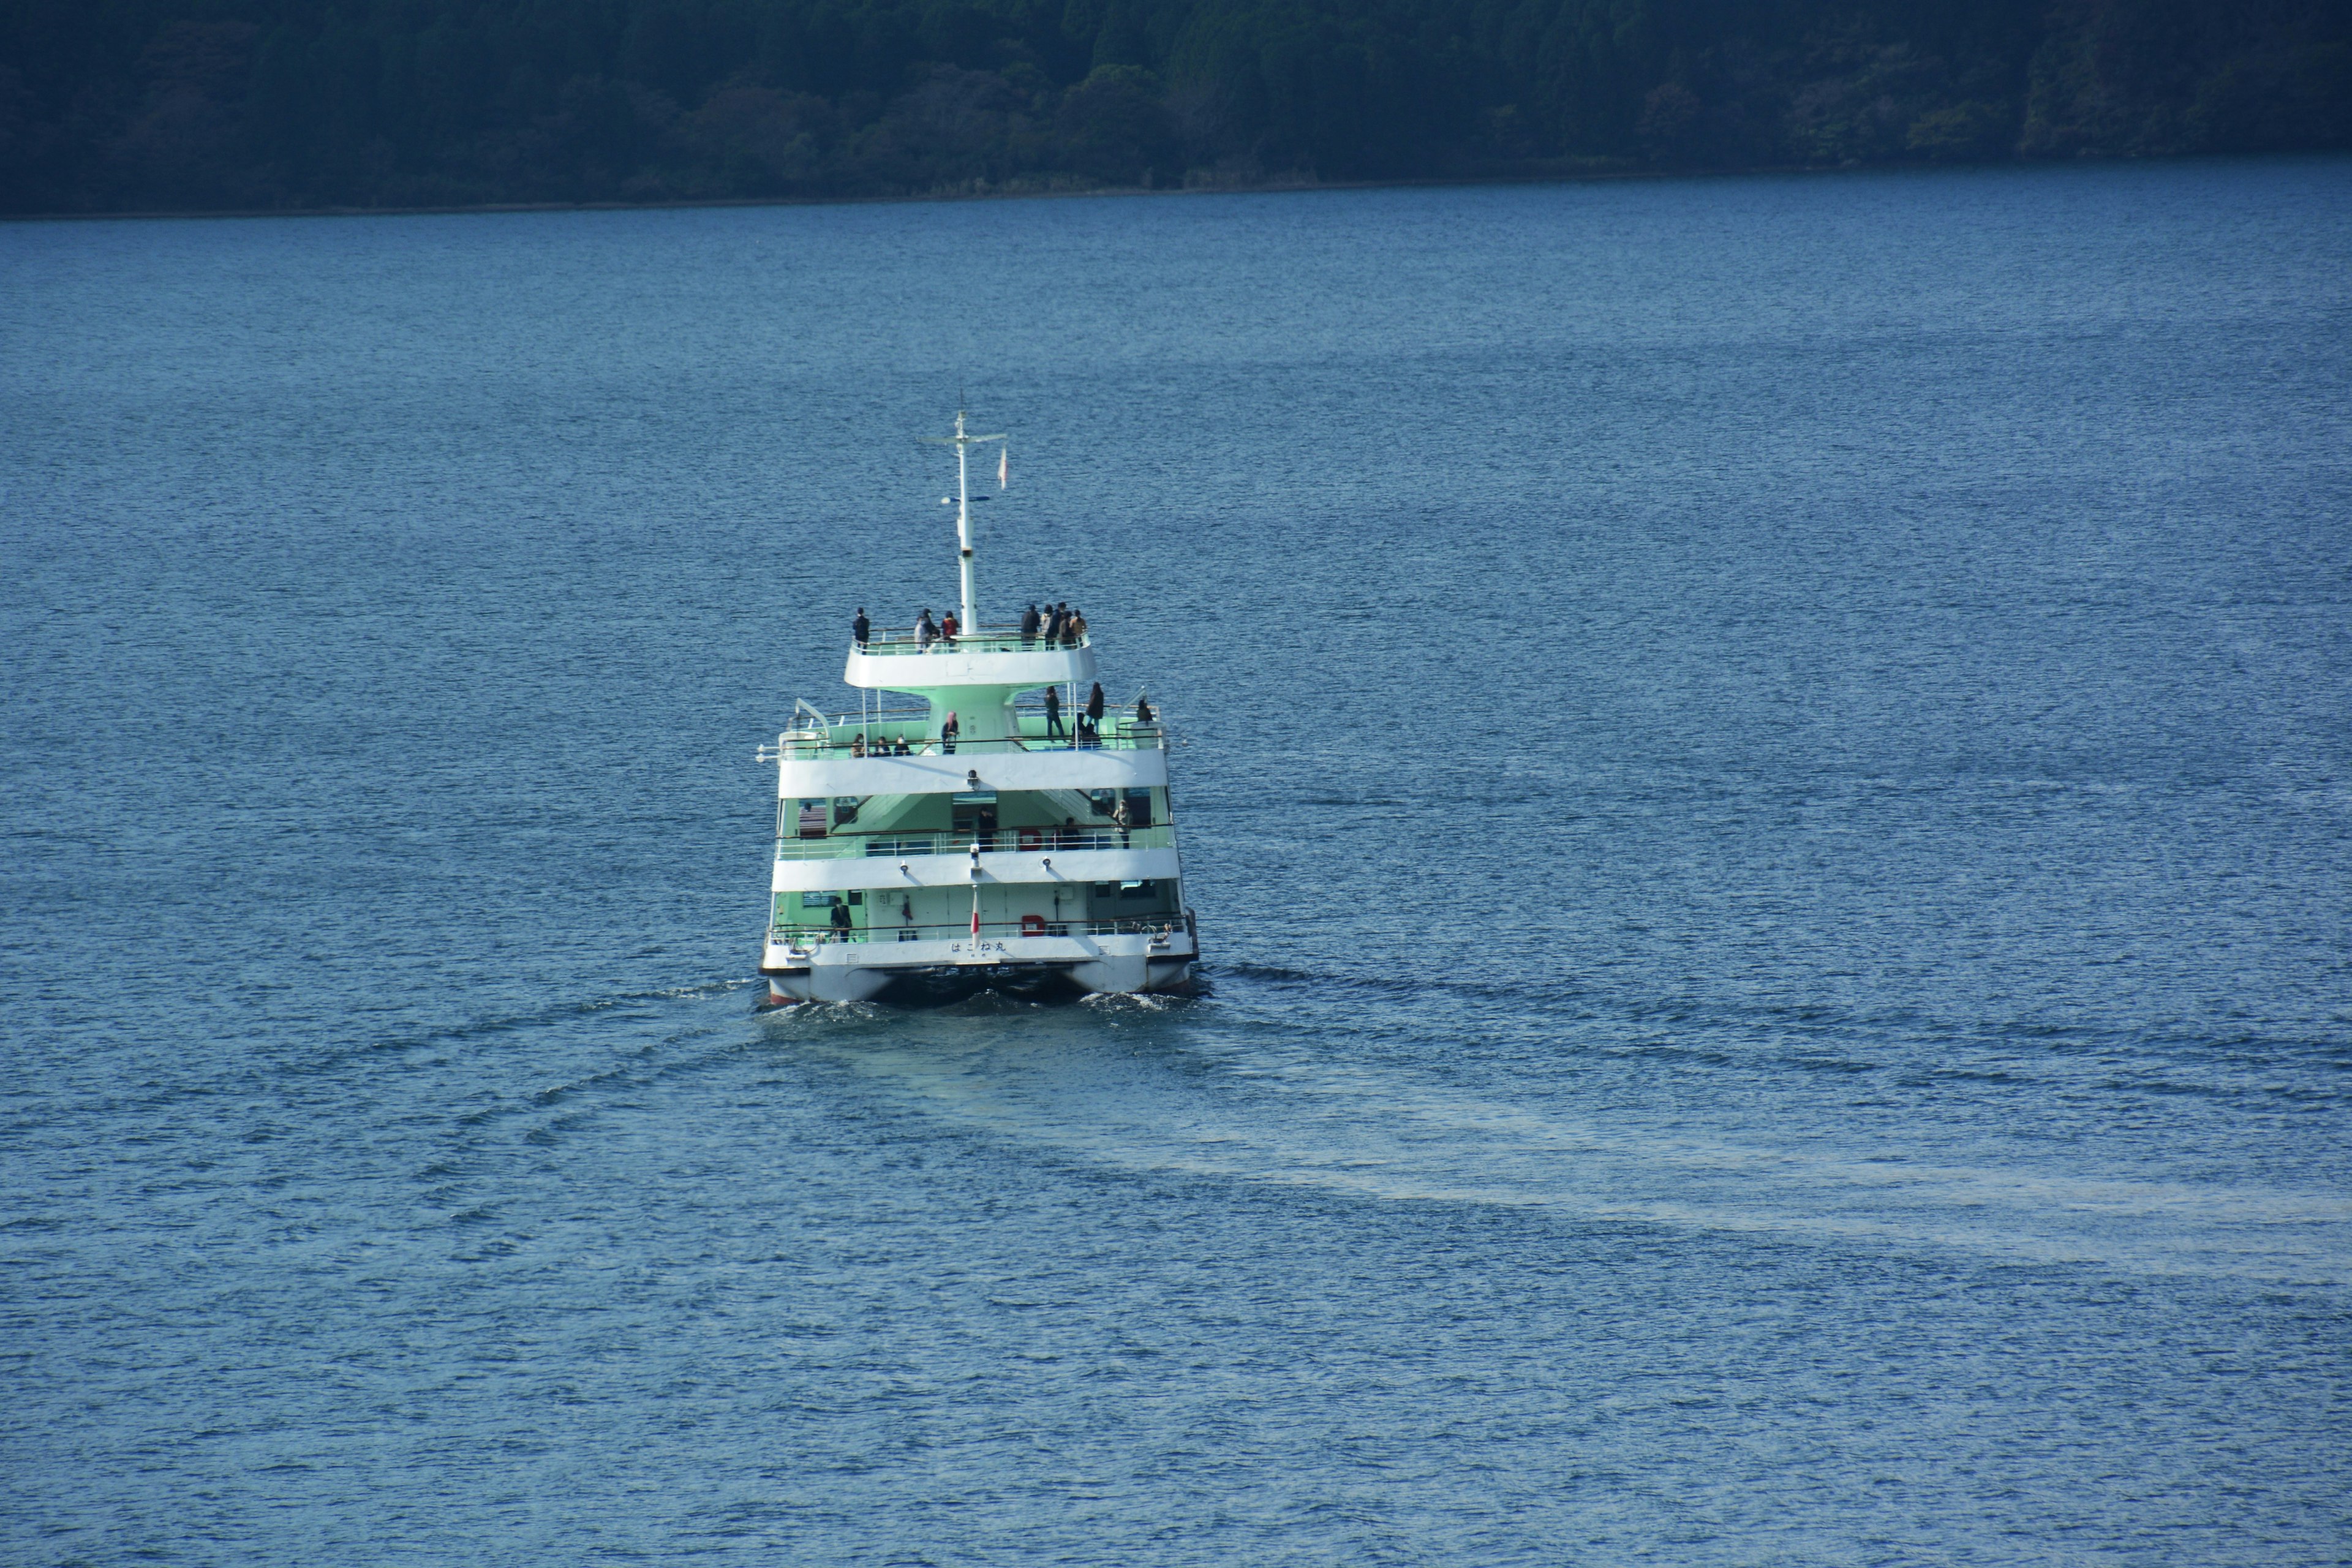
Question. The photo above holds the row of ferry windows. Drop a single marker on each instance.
(856, 897)
(969, 813)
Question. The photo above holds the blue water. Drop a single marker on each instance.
(1768, 789)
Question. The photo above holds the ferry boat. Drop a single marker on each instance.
(956, 834)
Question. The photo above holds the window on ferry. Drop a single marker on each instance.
(975, 813)
(1138, 808)
(845, 809)
(819, 900)
(813, 819)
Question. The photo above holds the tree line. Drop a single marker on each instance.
(125, 105)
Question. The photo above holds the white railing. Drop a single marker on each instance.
(1175, 933)
(1003, 841)
(892, 641)
(838, 742)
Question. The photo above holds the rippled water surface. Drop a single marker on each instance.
(1768, 783)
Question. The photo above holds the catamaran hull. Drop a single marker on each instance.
(930, 984)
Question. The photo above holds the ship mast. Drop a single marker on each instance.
(963, 444)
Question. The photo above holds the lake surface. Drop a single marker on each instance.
(1767, 784)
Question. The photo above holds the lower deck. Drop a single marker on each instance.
(1142, 906)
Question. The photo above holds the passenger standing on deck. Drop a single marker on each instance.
(1095, 705)
(948, 733)
(1054, 714)
(924, 633)
(1053, 625)
(860, 628)
(1029, 623)
(1074, 630)
(1120, 819)
(1142, 709)
(1087, 738)
(840, 918)
(950, 627)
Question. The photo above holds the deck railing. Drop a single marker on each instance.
(1177, 929)
(852, 846)
(891, 641)
(838, 743)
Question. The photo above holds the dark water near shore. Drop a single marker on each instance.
(1769, 794)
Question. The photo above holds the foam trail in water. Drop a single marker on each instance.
(1375, 1134)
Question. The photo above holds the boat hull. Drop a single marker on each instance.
(859, 972)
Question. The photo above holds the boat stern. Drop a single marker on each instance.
(1119, 963)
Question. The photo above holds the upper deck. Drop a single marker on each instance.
(858, 754)
(893, 660)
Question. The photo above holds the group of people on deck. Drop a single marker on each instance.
(1089, 724)
(946, 629)
(1057, 625)
(1087, 734)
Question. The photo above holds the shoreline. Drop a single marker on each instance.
(1265, 187)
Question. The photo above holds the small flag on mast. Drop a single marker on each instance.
(1003, 465)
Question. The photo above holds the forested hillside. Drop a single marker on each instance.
(197, 104)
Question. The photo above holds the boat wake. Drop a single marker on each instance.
(1191, 1097)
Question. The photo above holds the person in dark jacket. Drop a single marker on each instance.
(841, 921)
(1029, 623)
(860, 628)
(1142, 709)
(1053, 625)
(924, 632)
(1054, 714)
(948, 733)
(1095, 704)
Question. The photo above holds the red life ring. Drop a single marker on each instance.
(1030, 838)
(1032, 925)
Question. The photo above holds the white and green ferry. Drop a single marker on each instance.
(1019, 852)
